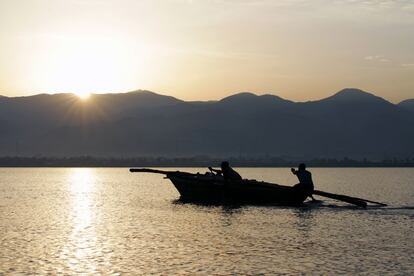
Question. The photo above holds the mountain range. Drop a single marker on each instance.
(350, 123)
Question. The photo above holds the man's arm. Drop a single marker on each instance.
(214, 170)
(293, 171)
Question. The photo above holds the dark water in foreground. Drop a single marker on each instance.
(108, 221)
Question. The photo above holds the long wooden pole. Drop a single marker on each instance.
(150, 171)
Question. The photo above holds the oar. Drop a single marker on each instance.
(374, 202)
(349, 199)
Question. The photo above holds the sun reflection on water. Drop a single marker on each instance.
(81, 247)
(82, 188)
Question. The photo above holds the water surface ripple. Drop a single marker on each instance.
(108, 221)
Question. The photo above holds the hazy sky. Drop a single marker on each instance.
(208, 49)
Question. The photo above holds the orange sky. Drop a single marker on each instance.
(207, 49)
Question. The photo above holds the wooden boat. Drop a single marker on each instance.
(212, 188)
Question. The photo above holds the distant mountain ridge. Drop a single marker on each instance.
(351, 123)
(354, 95)
(407, 104)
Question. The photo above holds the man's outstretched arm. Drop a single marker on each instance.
(214, 170)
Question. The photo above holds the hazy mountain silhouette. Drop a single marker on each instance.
(350, 123)
(352, 95)
(407, 104)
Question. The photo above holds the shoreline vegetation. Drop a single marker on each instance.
(198, 161)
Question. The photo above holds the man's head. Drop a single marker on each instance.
(302, 167)
(225, 165)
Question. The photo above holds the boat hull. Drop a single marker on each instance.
(212, 188)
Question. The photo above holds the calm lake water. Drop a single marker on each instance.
(109, 221)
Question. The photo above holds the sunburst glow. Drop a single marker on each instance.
(83, 95)
(87, 64)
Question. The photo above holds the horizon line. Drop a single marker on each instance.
(209, 100)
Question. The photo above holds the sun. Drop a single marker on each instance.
(90, 64)
(83, 95)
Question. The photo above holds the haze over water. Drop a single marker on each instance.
(110, 221)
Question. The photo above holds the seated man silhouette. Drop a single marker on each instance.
(305, 180)
(227, 172)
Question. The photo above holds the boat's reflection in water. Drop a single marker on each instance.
(80, 248)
